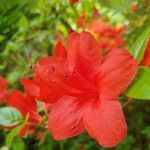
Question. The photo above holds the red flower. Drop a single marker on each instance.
(25, 104)
(87, 85)
(73, 1)
(108, 37)
(3, 92)
(95, 12)
(134, 7)
(81, 20)
(57, 51)
(146, 58)
(98, 26)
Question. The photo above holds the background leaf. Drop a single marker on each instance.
(9, 116)
(138, 48)
(15, 132)
(18, 144)
(140, 88)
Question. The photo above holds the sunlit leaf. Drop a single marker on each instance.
(138, 48)
(9, 116)
(140, 88)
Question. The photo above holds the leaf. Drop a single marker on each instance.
(23, 23)
(18, 144)
(9, 116)
(138, 48)
(146, 131)
(140, 88)
(16, 131)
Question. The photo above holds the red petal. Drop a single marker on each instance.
(60, 50)
(24, 130)
(30, 87)
(3, 83)
(89, 47)
(73, 1)
(3, 96)
(73, 46)
(65, 119)
(3, 92)
(55, 72)
(116, 73)
(39, 90)
(146, 58)
(24, 104)
(50, 67)
(105, 122)
(83, 53)
(98, 26)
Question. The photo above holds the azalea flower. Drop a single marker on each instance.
(108, 37)
(146, 58)
(95, 12)
(134, 7)
(73, 1)
(87, 86)
(3, 92)
(26, 105)
(81, 20)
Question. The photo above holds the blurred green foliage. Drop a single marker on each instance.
(29, 29)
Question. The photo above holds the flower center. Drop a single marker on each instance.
(72, 83)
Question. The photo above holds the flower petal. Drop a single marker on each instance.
(65, 118)
(24, 130)
(55, 72)
(25, 104)
(98, 26)
(105, 122)
(30, 87)
(60, 50)
(39, 89)
(146, 59)
(50, 67)
(3, 83)
(3, 92)
(115, 73)
(83, 53)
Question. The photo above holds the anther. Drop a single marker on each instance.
(53, 68)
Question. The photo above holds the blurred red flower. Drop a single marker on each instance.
(25, 104)
(3, 92)
(73, 1)
(108, 37)
(134, 7)
(87, 85)
(146, 58)
(95, 12)
(81, 20)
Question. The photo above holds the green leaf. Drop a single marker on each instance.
(138, 48)
(146, 131)
(18, 144)
(9, 116)
(16, 131)
(23, 23)
(140, 88)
